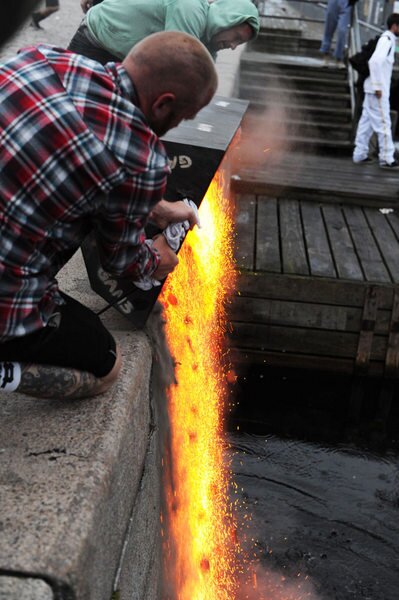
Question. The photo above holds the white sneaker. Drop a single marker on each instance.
(326, 60)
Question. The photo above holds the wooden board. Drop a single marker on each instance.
(280, 235)
(316, 286)
(328, 178)
(326, 317)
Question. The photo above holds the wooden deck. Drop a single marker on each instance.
(318, 286)
(317, 236)
(327, 178)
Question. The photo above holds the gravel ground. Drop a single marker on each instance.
(57, 29)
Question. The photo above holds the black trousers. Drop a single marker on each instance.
(81, 43)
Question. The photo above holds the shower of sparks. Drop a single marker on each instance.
(202, 544)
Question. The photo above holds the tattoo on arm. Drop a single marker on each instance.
(57, 382)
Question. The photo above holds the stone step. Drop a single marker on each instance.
(300, 97)
(310, 144)
(282, 44)
(303, 126)
(319, 114)
(266, 30)
(260, 62)
(288, 80)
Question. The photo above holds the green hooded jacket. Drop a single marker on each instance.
(118, 25)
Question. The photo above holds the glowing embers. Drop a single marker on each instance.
(201, 545)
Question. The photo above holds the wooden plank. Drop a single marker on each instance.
(310, 315)
(245, 229)
(332, 178)
(393, 220)
(386, 240)
(278, 182)
(291, 237)
(392, 356)
(268, 256)
(240, 357)
(346, 261)
(307, 289)
(318, 248)
(292, 339)
(366, 247)
(366, 335)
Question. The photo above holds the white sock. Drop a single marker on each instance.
(10, 376)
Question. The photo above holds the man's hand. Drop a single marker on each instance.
(85, 5)
(378, 93)
(166, 212)
(168, 261)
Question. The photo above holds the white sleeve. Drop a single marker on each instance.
(377, 60)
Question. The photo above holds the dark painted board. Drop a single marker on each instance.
(392, 356)
(242, 357)
(393, 220)
(292, 339)
(291, 237)
(309, 289)
(367, 331)
(245, 230)
(365, 245)
(301, 314)
(346, 261)
(268, 255)
(318, 247)
(386, 240)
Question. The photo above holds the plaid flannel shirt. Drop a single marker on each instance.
(76, 155)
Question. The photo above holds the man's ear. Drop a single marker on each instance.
(163, 105)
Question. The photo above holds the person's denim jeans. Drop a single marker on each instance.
(337, 18)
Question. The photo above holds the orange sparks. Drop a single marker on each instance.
(200, 555)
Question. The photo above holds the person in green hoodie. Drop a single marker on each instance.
(111, 28)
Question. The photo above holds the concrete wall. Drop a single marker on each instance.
(80, 482)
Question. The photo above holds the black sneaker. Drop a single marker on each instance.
(365, 161)
(35, 21)
(388, 166)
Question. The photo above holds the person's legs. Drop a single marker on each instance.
(44, 381)
(73, 357)
(83, 43)
(363, 133)
(330, 25)
(51, 7)
(380, 118)
(344, 16)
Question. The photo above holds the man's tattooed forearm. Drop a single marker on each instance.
(57, 382)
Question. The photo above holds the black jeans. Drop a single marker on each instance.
(82, 44)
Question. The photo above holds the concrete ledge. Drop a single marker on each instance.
(80, 482)
(24, 589)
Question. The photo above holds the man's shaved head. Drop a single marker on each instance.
(176, 67)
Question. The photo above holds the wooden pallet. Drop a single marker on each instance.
(318, 286)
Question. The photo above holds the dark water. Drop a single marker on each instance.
(319, 473)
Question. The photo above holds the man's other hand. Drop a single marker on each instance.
(166, 212)
(168, 260)
(85, 5)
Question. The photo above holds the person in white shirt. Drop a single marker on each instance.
(375, 111)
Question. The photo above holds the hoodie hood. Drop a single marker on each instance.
(224, 14)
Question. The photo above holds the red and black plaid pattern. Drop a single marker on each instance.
(76, 155)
